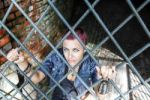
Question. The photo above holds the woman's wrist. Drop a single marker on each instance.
(28, 69)
(23, 65)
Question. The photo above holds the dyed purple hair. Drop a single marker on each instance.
(81, 33)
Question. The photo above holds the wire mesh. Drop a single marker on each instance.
(137, 88)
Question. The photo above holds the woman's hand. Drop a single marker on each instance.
(14, 56)
(18, 58)
(106, 72)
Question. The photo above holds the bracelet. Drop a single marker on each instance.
(28, 69)
(105, 87)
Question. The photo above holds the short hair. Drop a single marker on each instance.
(81, 33)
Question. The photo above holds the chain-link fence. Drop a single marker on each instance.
(127, 84)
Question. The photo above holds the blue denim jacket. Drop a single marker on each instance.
(55, 66)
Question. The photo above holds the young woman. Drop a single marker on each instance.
(73, 53)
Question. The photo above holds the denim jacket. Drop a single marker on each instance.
(55, 66)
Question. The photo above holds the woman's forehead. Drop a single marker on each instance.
(71, 43)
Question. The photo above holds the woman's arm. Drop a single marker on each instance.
(22, 63)
(104, 73)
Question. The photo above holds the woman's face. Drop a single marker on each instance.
(73, 51)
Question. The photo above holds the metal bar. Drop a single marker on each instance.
(136, 54)
(139, 51)
(7, 13)
(117, 89)
(116, 43)
(3, 96)
(139, 18)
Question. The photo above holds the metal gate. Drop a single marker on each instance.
(42, 95)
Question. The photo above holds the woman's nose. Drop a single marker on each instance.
(70, 55)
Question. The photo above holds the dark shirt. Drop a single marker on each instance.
(55, 66)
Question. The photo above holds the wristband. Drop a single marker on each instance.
(105, 87)
(28, 69)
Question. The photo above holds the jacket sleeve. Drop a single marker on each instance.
(93, 71)
(47, 65)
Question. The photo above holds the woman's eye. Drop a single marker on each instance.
(65, 49)
(75, 50)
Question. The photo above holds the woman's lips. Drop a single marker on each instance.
(71, 61)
